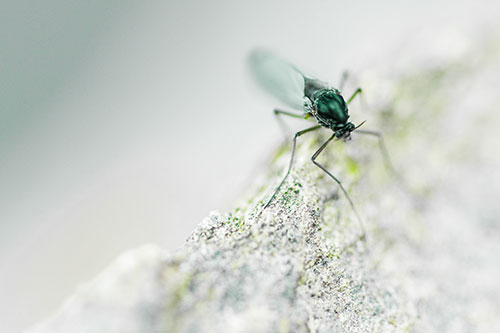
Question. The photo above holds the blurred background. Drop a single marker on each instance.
(126, 122)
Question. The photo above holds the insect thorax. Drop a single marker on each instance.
(329, 108)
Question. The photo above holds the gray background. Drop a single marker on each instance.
(123, 123)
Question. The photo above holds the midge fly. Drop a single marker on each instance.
(317, 99)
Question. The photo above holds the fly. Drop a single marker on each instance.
(316, 99)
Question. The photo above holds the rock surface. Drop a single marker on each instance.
(430, 261)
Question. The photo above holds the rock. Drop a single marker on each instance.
(430, 260)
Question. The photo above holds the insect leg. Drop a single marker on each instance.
(291, 159)
(343, 79)
(383, 149)
(313, 159)
(358, 91)
(277, 112)
(284, 129)
(385, 155)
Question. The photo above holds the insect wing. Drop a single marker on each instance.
(278, 77)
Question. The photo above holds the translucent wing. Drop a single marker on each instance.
(279, 77)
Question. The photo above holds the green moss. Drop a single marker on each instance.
(284, 325)
(332, 255)
(281, 151)
(302, 280)
(182, 288)
(352, 166)
(236, 219)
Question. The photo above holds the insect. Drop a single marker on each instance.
(316, 99)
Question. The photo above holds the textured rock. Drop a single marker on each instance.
(430, 262)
